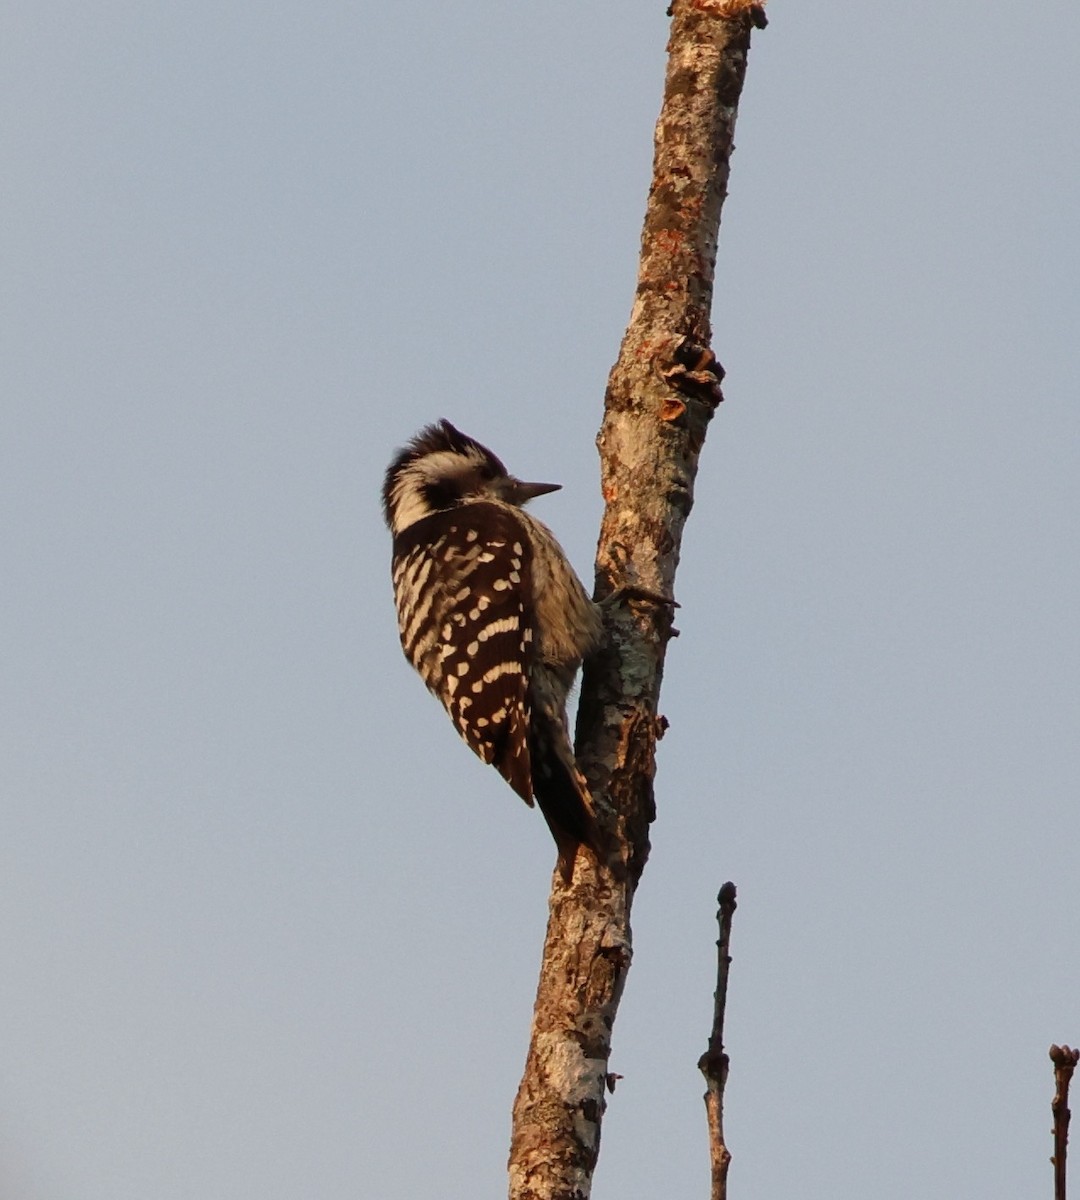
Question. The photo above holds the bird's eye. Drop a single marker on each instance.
(487, 472)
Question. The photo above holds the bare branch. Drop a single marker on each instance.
(714, 1063)
(1064, 1060)
(661, 395)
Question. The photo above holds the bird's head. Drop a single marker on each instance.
(443, 468)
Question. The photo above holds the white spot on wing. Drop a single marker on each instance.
(502, 625)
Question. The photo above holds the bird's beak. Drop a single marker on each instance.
(529, 491)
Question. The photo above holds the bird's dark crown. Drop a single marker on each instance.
(438, 469)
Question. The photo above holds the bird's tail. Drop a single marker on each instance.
(563, 795)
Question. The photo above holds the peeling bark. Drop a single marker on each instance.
(661, 395)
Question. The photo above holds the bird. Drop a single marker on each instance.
(495, 620)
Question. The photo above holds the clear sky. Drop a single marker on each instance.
(268, 929)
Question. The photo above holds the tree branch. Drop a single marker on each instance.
(661, 395)
(1065, 1061)
(713, 1064)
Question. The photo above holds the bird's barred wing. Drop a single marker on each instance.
(461, 591)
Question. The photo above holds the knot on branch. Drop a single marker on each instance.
(694, 372)
(714, 1064)
(725, 898)
(1065, 1056)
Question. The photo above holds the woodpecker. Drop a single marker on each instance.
(493, 617)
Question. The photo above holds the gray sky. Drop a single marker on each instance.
(269, 930)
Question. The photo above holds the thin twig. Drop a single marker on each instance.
(713, 1064)
(1064, 1060)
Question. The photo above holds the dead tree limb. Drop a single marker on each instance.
(713, 1064)
(1064, 1060)
(661, 395)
